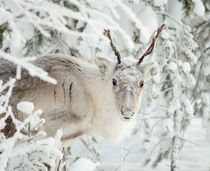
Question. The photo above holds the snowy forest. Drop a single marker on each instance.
(172, 128)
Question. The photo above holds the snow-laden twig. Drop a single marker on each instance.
(114, 12)
(191, 142)
(173, 19)
(32, 69)
(128, 40)
(157, 144)
(12, 24)
(135, 19)
(9, 84)
(58, 12)
(95, 29)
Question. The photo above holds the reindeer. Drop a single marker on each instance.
(88, 98)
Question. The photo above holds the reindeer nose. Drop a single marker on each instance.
(127, 114)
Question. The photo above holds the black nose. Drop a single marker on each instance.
(126, 118)
(127, 114)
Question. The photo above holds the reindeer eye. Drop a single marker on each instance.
(114, 82)
(141, 84)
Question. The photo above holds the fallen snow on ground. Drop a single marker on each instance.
(194, 156)
(84, 164)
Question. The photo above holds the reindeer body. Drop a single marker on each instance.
(88, 98)
(82, 101)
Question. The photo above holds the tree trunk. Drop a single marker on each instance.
(175, 143)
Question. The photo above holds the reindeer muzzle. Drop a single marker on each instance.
(127, 115)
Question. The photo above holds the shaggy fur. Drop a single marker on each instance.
(84, 100)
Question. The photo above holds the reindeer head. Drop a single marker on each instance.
(127, 78)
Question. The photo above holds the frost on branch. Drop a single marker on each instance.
(192, 9)
(201, 71)
(186, 44)
(33, 152)
(174, 110)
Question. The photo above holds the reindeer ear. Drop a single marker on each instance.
(150, 70)
(103, 64)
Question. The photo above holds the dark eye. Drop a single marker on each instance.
(141, 84)
(114, 82)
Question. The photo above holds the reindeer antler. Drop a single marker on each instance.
(150, 49)
(116, 52)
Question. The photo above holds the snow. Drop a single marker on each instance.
(160, 2)
(84, 164)
(175, 11)
(188, 155)
(186, 67)
(207, 70)
(144, 32)
(26, 29)
(199, 8)
(165, 34)
(172, 66)
(196, 152)
(99, 4)
(189, 107)
(25, 107)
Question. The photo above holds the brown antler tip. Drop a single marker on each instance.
(151, 47)
(161, 27)
(107, 31)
